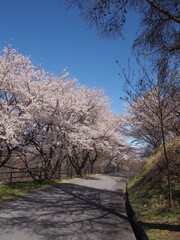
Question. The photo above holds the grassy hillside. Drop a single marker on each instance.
(148, 194)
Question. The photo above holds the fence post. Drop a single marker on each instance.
(11, 177)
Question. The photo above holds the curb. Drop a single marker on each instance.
(135, 224)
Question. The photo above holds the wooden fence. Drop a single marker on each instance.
(16, 175)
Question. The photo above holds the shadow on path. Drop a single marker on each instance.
(65, 212)
(159, 226)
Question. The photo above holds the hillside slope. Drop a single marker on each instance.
(149, 194)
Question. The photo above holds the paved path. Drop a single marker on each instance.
(81, 209)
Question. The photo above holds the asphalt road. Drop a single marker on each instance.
(80, 209)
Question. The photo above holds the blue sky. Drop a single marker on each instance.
(58, 38)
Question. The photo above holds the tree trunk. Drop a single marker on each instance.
(171, 205)
(92, 168)
(79, 172)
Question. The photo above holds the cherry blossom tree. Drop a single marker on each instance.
(17, 78)
(50, 121)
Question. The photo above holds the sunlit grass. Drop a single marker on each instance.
(18, 189)
(161, 234)
(8, 191)
(156, 215)
(148, 195)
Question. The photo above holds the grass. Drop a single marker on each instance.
(8, 191)
(149, 195)
(18, 189)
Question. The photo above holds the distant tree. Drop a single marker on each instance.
(153, 101)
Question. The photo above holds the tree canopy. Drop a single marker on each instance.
(49, 121)
(159, 26)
